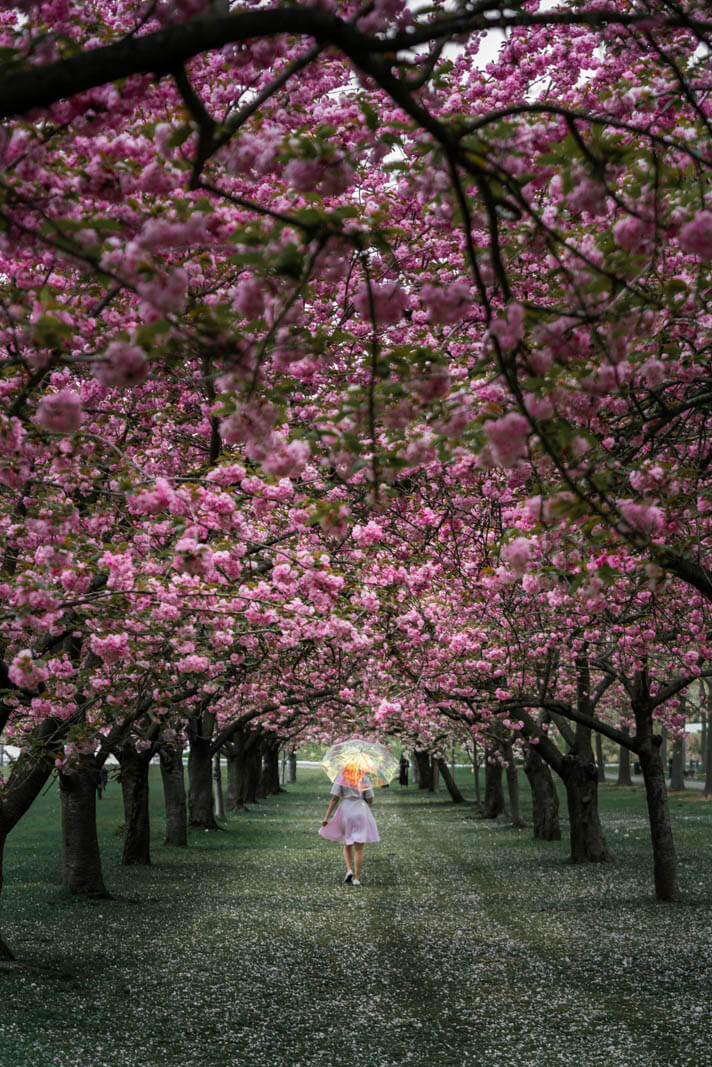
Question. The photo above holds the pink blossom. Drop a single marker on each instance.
(632, 234)
(369, 534)
(193, 557)
(433, 385)
(60, 412)
(448, 303)
(517, 554)
(249, 422)
(26, 672)
(152, 501)
(696, 235)
(192, 664)
(389, 301)
(112, 648)
(248, 297)
(654, 372)
(587, 195)
(508, 438)
(509, 329)
(646, 518)
(287, 460)
(165, 293)
(303, 174)
(124, 365)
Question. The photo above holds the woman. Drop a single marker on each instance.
(354, 824)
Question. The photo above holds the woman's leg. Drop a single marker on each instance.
(348, 857)
(358, 858)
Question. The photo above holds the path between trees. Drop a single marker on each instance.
(469, 942)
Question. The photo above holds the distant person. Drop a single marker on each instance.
(403, 770)
(353, 824)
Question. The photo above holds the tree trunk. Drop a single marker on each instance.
(81, 860)
(664, 858)
(434, 775)
(494, 794)
(624, 778)
(269, 784)
(513, 788)
(26, 781)
(236, 776)
(253, 769)
(292, 767)
(707, 791)
(588, 844)
(677, 775)
(600, 759)
(545, 800)
(134, 790)
(200, 788)
(5, 953)
(424, 774)
(450, 785)
(217, 779)
(171, 758)
(476, 773)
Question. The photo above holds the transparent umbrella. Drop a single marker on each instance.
(352, 760)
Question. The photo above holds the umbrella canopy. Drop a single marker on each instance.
(352, 761)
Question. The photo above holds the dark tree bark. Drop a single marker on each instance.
(81, 860)
(624, 777)
(217, 779)
(664, 857)
(27, 779)
(476, 773)
(173, 778)
(545, 800)
(269, 778)
(236, 772)
(434, 775)
(600, 759)
(292, 767)
(421, 759)
(494, 793)
(253, 769)
(707, 791)
(677, 776)
(513, 788)
(579, 774)
(200, 788)
(588, 843)
(134, 790)
(450, 784)
(5, 953)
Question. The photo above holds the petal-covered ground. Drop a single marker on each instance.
(469, 942)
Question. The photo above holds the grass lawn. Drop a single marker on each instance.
(469, 942)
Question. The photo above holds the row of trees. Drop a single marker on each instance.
(353, 380)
